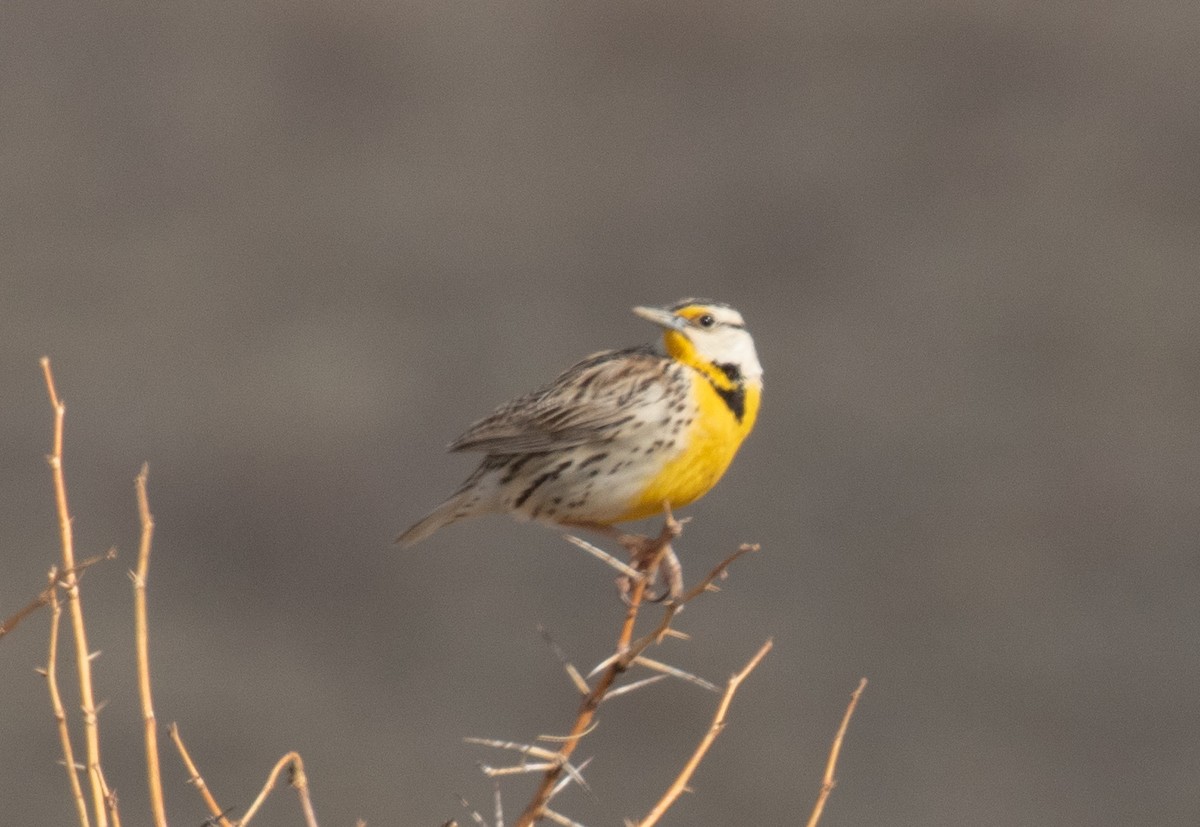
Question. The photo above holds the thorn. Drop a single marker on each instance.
(602, 665)
(572, 673)
(567, 779)
(577, 679)
(622, 690)
(667, 669)
(562, 738)
(215, 820)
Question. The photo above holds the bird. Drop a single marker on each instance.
(619, 436)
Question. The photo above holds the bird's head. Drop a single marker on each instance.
(700, 332)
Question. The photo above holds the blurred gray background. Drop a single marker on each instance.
(284, 252)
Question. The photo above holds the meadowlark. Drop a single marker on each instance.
(619, 436)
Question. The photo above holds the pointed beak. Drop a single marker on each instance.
(661, 317)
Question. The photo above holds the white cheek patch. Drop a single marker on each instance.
(730, 345)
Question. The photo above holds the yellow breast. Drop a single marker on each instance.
(709, 445)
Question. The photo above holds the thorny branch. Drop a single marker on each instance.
(45, 595)
(102, 803)
(197, 780)
(60, 713)
(297, 778)
(681, 781)
(627, 651)
(829, 782)
(66, 577)
(142, 638)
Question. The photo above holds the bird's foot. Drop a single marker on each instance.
(651, 555)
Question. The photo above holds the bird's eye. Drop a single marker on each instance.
(706, 320)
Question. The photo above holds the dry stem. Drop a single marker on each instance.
(60, 714)
(297, 778)
(829, 782)
(195, 779)
(71, 584)
(681, 781)
(142, 634)
(587, 707)
(43, 598)
(110, 800)
(299, 782)
(627, 651)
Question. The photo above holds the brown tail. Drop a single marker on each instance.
(444, 514)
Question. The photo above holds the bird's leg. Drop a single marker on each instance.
(652, 554)
(673, 574)
(661, 548)
(648, 555)
(641, 551)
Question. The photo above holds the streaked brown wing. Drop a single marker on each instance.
(582, 405)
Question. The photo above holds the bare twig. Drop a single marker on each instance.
(60, 714)
(110, 800)
(475, 816)
(631, 687)
(674, 672)
(524, 749)
(664, 630)
(681, 781)
(829, 781)
(297, 778)
(577, 777)
(142, 637)
(601, 554)
(91, 725)
(299, 782)
(706, 585)
(558, 739)
(648, 563)
(559, 818)
(647, 559)
(519, 769)
(43, 598)
(550, 759)
(197, 780)
(12, 621)
(568, 667)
